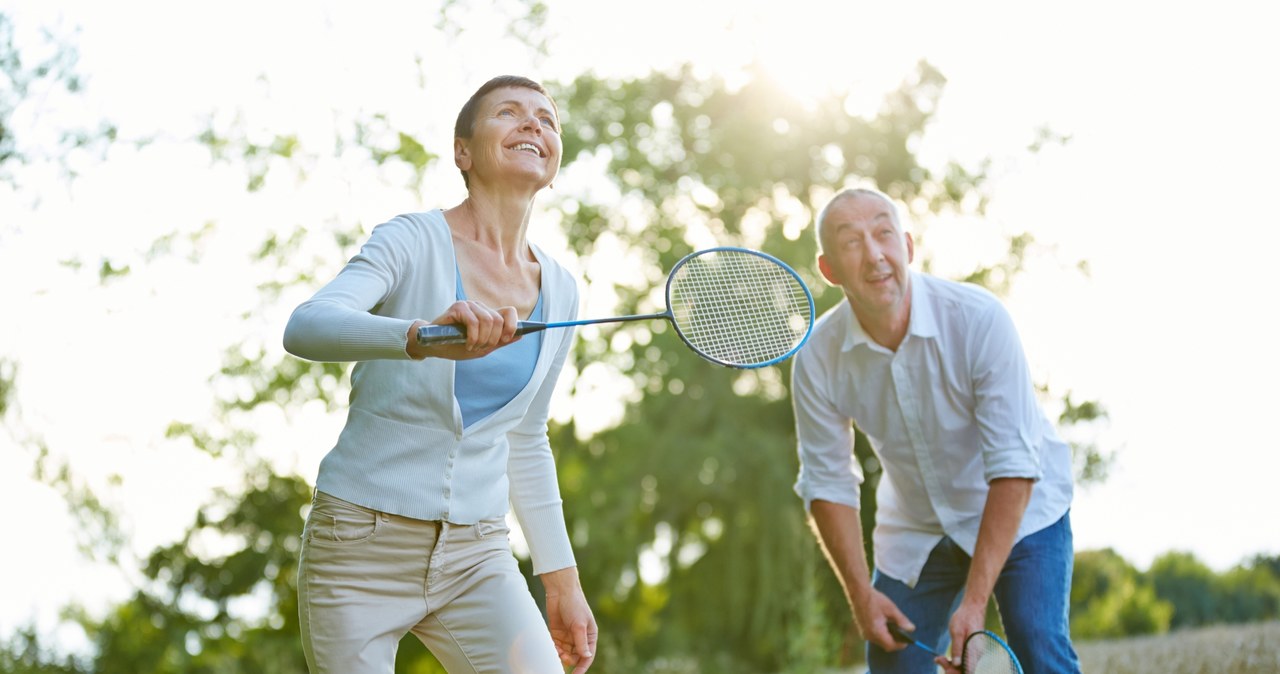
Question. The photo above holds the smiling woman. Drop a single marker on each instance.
(440, 438)
(507, 120)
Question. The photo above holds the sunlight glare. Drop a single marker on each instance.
(812, 49)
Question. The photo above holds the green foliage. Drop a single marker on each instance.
(233, 143)
(1091, 463)
(1247, 593)
(23, 653)
(99, 535)
(386, 145)
(8, 376)
(221, 599)
(32, 91)
(1109, 598)
(1188, 584)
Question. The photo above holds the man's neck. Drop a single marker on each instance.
(889, 328)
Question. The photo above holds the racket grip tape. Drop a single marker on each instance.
(904, 637)
(434, 335)
(899, 634)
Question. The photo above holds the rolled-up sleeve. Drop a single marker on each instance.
(828, 471)
(1005, 405)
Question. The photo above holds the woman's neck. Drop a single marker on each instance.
(499, 224)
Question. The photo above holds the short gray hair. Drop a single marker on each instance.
(850, 193)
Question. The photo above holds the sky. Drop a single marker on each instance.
(1165, 187)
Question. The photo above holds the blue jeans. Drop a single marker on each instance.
(1033, 594)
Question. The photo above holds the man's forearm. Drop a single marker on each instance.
(1007, 500)
(839, 530)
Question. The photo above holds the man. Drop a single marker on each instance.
(976, 485)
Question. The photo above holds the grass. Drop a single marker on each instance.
(1225, 649)
(1221, 649)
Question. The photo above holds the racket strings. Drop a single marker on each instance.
(985, 654)
(738, 307)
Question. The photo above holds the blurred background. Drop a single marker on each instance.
(175, 178)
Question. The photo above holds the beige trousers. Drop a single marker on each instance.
(367, 578)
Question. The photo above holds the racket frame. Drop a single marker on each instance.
(904, 637)
(1017, 666)
(430, 335)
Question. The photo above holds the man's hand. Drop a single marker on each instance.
(573, 627)
(839, 530)
(969, 618)
(1007, 500)
(873, 617)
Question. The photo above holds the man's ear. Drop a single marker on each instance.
(911, 248)
(827, 272)
(461, 155)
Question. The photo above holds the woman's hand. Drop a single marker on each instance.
(487, 329)
(573, 627)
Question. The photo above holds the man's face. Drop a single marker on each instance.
(866, 253)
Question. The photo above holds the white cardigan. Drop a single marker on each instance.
(404, 449)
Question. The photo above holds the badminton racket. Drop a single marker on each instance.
(984, 652)
(733, 306)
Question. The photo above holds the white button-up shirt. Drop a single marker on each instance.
(952, 409)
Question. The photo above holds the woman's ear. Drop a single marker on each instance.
(461, 154)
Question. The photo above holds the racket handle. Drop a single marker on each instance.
(903, 637)
(433, 335)
(899, 634)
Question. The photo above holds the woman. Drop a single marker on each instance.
(407, 529)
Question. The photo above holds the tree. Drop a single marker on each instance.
(697, 475)
(1248, 592)
(1109, 598)
(690, 540)
(1186, 583)
(29, 91)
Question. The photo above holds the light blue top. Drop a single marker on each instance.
(484, 385)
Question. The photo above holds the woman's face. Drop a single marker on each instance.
(515, 138)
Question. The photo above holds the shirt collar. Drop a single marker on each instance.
(923, 321)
